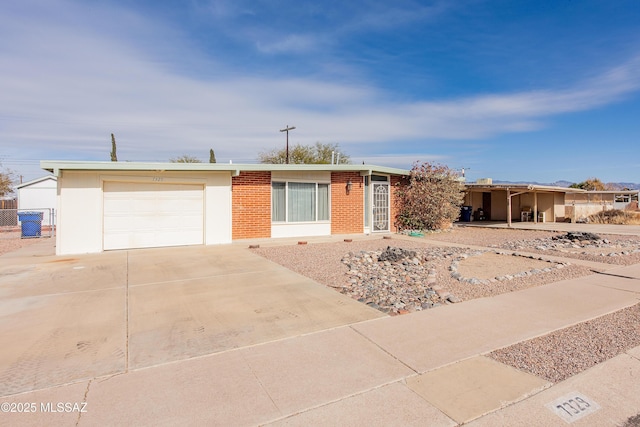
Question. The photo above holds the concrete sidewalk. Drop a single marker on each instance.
(424, 368)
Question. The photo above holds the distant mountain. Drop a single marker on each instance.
(629, 185)
(562, 183)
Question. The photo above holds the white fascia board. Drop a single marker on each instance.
(55, 166)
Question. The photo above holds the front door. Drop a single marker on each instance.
(380, 206)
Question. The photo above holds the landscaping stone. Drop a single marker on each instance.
(583, 245)
(396, 280)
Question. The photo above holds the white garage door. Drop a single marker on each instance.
(145, 215)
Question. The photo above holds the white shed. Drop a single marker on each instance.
(39, 195)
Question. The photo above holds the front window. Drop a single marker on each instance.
(278, 201)
(299, 202)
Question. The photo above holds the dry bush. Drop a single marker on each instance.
(430, 200)
(615, 216)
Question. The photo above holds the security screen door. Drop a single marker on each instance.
(380, 206)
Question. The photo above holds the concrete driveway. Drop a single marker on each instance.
(65, 319)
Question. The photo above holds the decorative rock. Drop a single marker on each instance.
(578, 243)
(402, 282)
(580, 236)
(396, 254)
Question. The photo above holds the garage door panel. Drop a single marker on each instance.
(142, 215)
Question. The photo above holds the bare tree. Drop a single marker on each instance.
(7, 178)
(593, 184)
(185, 158)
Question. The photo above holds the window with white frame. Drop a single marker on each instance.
(299, 202)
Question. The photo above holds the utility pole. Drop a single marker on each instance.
(287, 129)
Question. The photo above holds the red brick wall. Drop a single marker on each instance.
(251, 205)
(347, 210)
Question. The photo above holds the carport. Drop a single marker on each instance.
(524, 202)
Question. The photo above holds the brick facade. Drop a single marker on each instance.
(251, 205)
(347, 210)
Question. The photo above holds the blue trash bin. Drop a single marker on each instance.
(465, 213)
(31, 223)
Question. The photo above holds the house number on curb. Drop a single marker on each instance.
(573, 406)
(158, 179)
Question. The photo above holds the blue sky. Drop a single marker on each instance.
(513, 90)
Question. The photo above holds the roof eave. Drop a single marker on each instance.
(529, 187)
(55, 166)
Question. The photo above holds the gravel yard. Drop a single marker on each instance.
(427, 279)
(10, 241)
(405, 286)
(611, 249)
(567, 352)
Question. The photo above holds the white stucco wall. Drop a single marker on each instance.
(40, 196)
(80, 205)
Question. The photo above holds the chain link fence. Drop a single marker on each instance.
(40, 222)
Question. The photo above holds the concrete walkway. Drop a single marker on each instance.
(425, 368)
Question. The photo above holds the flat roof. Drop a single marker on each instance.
(613, 191)
(524, 187)
(55, 166)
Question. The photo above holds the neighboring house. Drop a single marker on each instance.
(518, 202)
(124, 205)
(39, 195)
(582, 205)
